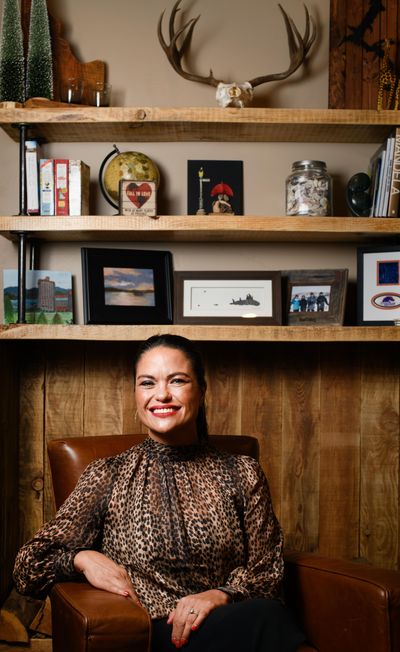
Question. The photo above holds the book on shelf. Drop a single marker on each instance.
(61, 187)
(394, 195)
(32, 176)
(384, 170)
(79, 181)
(46, 188)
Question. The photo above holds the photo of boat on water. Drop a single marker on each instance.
(124, 286)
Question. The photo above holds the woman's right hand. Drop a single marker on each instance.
(104, 573)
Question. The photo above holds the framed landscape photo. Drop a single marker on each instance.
(316, 296)
(227, 298)
(378, 285)
(127, 286)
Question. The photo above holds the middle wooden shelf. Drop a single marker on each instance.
(193, 228)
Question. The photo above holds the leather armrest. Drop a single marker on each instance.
(343, 605)
(87, 619)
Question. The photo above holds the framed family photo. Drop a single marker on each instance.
(126, 286)
(227, 298)
(378, 285)
(316, 296)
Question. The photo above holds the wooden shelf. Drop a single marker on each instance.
(186, 228)
(203, 333)
(154, 124)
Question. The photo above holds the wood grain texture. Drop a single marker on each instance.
(9, 418)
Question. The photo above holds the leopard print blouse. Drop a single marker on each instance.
(181, 520)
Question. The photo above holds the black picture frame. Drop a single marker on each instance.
(378, 285)
(109, 279)
(228, 301)
(330, 285)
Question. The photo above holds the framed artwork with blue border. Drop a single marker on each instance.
(378, 285)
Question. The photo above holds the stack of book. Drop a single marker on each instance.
(55, 186)
(384, 170)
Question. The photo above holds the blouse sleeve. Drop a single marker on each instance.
(263, 572)
(49, 556)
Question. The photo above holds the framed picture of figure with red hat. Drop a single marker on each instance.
(215, 187)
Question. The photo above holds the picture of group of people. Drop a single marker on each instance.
(310, 299)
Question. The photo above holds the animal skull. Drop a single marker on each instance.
(237, 95)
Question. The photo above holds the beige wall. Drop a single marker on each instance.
(239, 41)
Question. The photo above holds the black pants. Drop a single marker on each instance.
(250, 626)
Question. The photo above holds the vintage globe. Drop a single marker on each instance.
(125, 165)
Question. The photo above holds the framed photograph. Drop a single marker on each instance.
(48, 297)
(215, 187)
(126, 286)
(227, 298)
(378, 285)
(316, 296)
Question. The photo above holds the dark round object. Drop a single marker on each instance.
(358, 196)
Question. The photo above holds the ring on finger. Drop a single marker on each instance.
(193, 611)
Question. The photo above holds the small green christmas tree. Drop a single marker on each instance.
(39, 70)
(12, 63)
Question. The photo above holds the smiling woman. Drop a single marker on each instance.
(184, 530)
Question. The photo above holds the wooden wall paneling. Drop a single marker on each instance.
(9, 419)
(31, 438)
(354, 57)
(261, 392)
(300, 446)
(65, 401)
(337, 58)
(223, 399)
(339, 498)
(106, 369)
(380, 435)
(371, 62)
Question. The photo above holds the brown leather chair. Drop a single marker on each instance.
(342, 606)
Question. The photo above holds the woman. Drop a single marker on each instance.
(185, 531)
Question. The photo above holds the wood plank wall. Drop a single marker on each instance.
(326, 416)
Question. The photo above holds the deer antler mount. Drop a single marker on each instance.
(232, 93)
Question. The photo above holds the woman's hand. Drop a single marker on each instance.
(104, 573)
(191, 611)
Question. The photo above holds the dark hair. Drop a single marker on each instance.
(191, 352)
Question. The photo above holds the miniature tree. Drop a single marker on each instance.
(39, 71)
(12, 62)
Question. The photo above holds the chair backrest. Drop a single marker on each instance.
(69, 457)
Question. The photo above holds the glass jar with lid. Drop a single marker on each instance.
(309, 189)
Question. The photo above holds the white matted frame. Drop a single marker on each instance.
(227, 298)
(378, 285)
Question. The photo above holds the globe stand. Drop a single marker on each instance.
(105, 194)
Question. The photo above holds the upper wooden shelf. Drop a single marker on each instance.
(209, 228)
(154, 124)
(245, 333)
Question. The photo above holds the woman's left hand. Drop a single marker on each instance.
(191, 611)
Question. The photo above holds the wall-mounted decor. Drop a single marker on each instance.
(232, 93)
(215, 187)
(48, 297)
(316, 297)
(227, 298)
(378, 285)
(364, 54)
(126, 286)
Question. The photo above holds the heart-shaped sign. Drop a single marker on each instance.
(138, 193)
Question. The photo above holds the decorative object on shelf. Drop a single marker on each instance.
(232, 93)
(358, 195)
(12, 60)
(39, 64)
(316, 297)
(127, 286)
(48, 297)
(215, 187)
(71, 90)
(227, 298)
(378, 285)
(137, 198)
(389, 82)
(134, 166)
(358, 31)
(65, 63)
(100, 94)
(309, 189)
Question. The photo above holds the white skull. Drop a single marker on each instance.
(237, 95)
